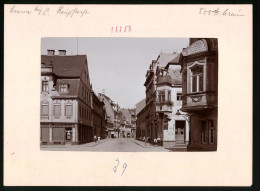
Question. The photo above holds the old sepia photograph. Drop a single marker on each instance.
(129, 94)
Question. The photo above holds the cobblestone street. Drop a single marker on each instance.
(108, 145)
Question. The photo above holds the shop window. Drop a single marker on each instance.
(68, 110)
(57, 110)
(197, 79)
(211, 131)
(45, 109)
(45, 86)
(179, 96)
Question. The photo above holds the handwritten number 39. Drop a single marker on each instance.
(115, 167)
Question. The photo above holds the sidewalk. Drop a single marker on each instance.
(90, 144)
(142, 144)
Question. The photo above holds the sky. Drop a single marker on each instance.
(117, 65)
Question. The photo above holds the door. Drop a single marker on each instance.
(68, 135)
(180, 132)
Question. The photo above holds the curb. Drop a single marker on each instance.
(71, 146)
(140, 144)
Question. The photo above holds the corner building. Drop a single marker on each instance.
(66, 100)
(199, 63)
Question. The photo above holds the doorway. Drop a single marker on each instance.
(68, 135)
(180, 131)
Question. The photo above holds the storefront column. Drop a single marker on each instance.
(50, 133)
(74, 133)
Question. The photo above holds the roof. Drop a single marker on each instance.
(126, 113)
(196, 47)
(164, 58)
(140, 105)
(65, 66)
(175, 60)
(175, 75)
(108, 107)
(73, 86)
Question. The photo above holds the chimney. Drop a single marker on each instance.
(62, 52)
(51, 52)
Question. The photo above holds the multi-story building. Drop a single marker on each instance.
(173, 128)
(66, 100)
(112, 115)
(128, 123)
(199, 63)
(99, 115)
(158, 117)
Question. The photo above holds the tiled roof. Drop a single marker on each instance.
(65, 66)
(175, 74)
(196, 47)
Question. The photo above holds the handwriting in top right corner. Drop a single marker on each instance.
(223, 12)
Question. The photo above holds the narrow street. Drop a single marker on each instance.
(109, 145)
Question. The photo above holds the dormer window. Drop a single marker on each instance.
(63, 88)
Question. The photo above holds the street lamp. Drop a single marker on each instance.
(185, 116)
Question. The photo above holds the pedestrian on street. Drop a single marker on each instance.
(155, 142)
(95, 138)
(158, 141)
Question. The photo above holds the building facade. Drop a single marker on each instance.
(112, 116)
(99, 115)
(158, 118)
(66, 100)
(128, 123)
(172, 127)
(199, 63)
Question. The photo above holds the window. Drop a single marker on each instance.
(197, 79)
(45, 109)
(45, 86)
(179, 96)
(161, 96)
(203, 132)
(57, 110)
(63, 88)
(169, 95)
(68, 110)
(211, 131)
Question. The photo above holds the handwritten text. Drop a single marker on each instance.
(217, 11)
(115, 167)
(46, 11)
